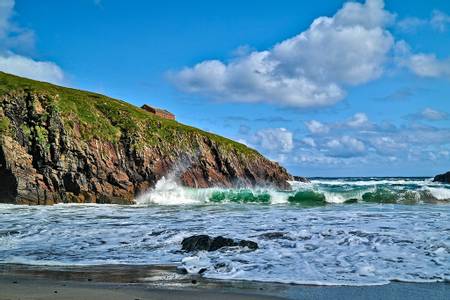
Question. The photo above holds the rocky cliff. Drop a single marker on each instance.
(445, 178)
(64, 145)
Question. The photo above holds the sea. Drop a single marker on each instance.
(331, 231)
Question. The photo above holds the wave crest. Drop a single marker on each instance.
(317, 193)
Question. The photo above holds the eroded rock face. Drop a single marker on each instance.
(44, 159)
(444, 178)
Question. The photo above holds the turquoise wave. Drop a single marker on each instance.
(319, 192)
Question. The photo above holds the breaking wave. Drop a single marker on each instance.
(318, 192)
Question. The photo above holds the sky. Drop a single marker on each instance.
(326, 88)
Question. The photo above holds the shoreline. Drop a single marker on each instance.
(166, 282)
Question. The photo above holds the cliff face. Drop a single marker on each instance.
(65, 145)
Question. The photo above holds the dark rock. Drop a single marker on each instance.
(274, 235)
(207, 243)
(444, 178)
(249, 244)
(196, 243)
(301, 179)
(220, 242)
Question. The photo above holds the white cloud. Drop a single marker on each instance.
(386, 145)
(421, 64)
(345, 146)
(14, 37)
(440, 20)
(433, 115)
(317, 159)
(275, 140)
(359, 120)
(317, 127)
(309, 141)
(410, 24)
(27, 67)
(6, 10)
(427, 65)
(311, 69)
(376, 146)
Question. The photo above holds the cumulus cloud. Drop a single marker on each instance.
(440, 20)
(356, 142)
(421, 64)
(410, 24)
(27, 67)
(6, 10)
(316, 127)
(427, 65)
(309, 142)
(274, 140)
(359, 120)
(387, 145)
(346, 142)
(13, 37)
(433, 115)
(311, 69)
(345, 146)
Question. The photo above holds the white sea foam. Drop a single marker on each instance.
(168, 192)
(332, 245)
(439, 193)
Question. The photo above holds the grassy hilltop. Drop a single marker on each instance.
(99, 116)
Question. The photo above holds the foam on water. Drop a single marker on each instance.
(393, 190)
(300, 239)
(439, 192)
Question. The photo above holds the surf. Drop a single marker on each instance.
(318, 192)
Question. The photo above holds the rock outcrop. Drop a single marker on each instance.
(206, 243)
(64, 145)
(444, 178)
(301, 179)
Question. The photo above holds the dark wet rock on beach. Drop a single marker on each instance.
(207, 243)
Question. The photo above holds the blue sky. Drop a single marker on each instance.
(327, 88)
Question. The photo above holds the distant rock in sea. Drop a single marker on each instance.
(301, 179)
(445, 178)
(64, 145)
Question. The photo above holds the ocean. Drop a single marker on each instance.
(332, 231)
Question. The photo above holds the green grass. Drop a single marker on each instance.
(4, 125)
(98, 116)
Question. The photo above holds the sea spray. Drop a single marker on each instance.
(319, 192)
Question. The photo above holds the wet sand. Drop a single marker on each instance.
(165, 282)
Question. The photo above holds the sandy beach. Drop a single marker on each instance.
(164, 282)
